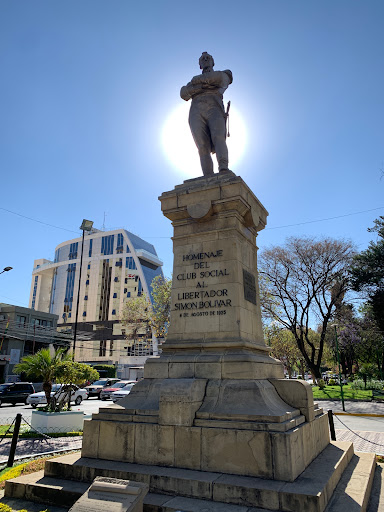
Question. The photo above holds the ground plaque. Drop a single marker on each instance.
(112, 495)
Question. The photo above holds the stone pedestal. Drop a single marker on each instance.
(215, 400)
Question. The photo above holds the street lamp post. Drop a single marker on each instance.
(338, 362)
(6, 269)
(85, 226)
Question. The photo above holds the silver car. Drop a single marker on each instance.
(78, 395)
(118, 395)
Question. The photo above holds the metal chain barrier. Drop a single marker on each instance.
(358, 435)
(14, 428)
(32, 428)
(5, 433)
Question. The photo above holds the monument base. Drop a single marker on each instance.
(336, 480)
(233, 426)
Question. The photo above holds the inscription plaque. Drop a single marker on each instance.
(249, 286)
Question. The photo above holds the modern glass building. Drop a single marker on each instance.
(116, 265)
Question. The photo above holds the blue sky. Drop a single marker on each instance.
(86, 87)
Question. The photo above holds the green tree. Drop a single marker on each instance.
(71, 373)
(368, 273)
(136, 318)
(304, 283)
(43, 365)
(161, 305)
(141, 317)
(284, 347)
(371, 348)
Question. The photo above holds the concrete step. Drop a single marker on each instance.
(353, 491)
(42, 489)
(161, 503)
(376, 502)
(310, 491)
(175, 489)
(35, 491)
(16, 505)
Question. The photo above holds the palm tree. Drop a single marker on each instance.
(43, 365)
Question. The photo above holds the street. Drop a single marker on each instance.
(8, 412)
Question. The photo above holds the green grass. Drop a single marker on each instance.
(334, 393)
(25, 432)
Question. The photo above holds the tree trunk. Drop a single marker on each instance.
(47, 388)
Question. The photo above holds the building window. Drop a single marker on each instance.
(87, 282)
(84, 313)
(130, 263)
(107, 244)
(125, 290)
(57, 256)
(128, 294)
(103, 345)
(34, 292)
(120, 243)
(113, 311)
(115, 295)
(111, 348)
(90, 250)
(73, 251)
(70, 286)
(21, 320)
(126, 280)
(128, 249)
(119, 263)
(116, 279)
(86, 297)
(89, 266)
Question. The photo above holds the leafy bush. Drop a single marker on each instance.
(321, 384)
(332, 382)
(370, 384)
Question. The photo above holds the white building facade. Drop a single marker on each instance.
(117, 265)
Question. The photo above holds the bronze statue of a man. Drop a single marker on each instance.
(207, 117)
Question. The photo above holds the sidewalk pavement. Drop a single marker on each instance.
(352, 407)
(363, 441)
(29, 447)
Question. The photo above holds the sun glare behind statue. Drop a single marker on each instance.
(180, 149)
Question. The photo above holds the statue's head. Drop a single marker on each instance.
(206, 61)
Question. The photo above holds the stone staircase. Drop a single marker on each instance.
(336, 481)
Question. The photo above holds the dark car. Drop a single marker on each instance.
(95, 388)
(15, 392)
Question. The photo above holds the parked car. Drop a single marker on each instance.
(15, 392)
(105, 393)
(78, 395)
(122, 393)
(95, 388)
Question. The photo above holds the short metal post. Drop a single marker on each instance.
(15, 436)
(331, 425)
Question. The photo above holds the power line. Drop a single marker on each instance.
(38, 221)
(167, 237)
(327, 218)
